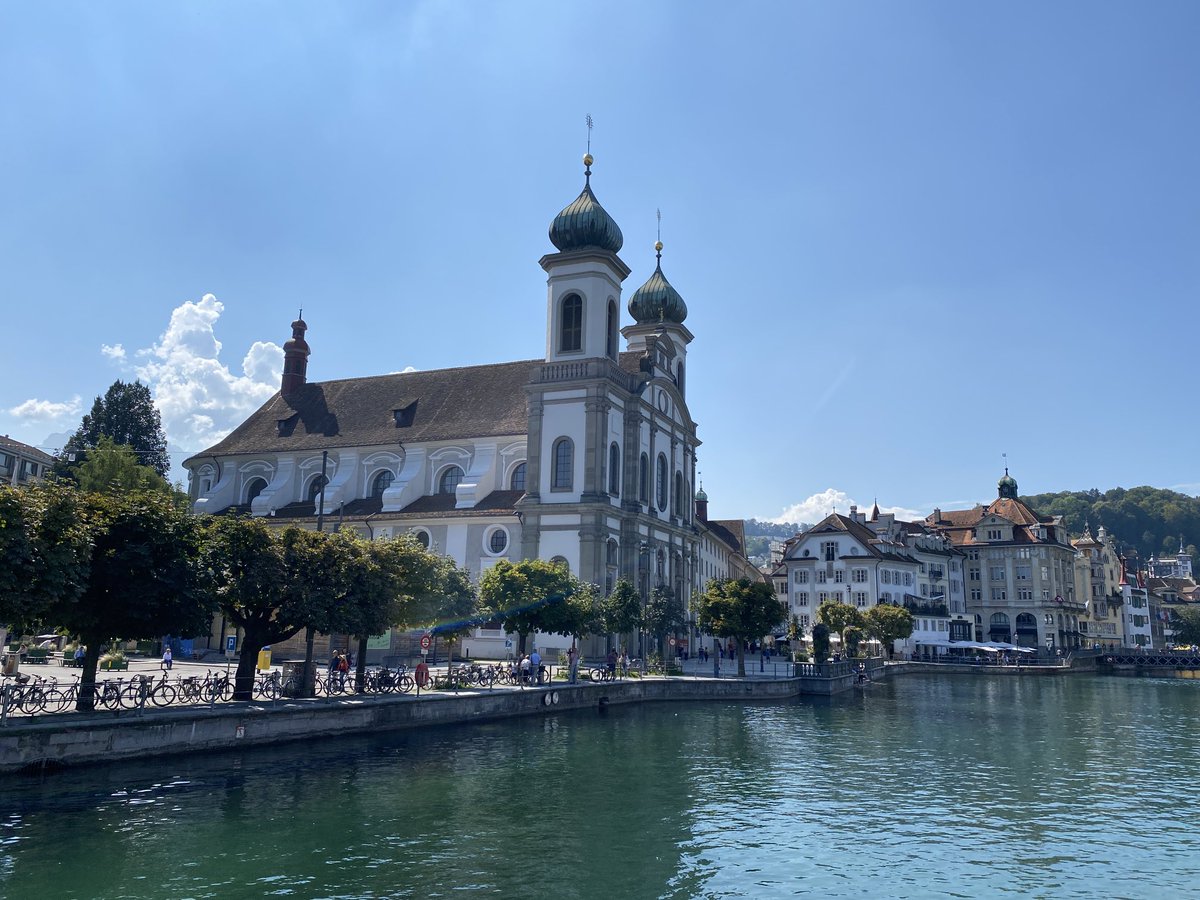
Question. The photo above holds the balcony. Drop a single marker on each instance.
(920, 607)
(585, 369)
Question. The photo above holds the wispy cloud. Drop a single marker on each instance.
(818, 506)
(199, 397)
(114, 352)
(34, 410)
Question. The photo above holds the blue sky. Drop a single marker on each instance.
(911, 236)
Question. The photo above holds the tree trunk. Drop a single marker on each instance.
(243, 681)
(310, 670)
(741, 650)
(360, 665)
(521, 644)
(86, 700)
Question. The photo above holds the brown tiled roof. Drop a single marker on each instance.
(12, 446)
(437, 506)
(731, 531)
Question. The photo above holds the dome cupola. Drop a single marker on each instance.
(1007, 486)
(585, 224)
(656, 300)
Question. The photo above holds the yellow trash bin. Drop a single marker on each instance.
(264, 659)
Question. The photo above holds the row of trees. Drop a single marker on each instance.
(884, 623)
(136, 564)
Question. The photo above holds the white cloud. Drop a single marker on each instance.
(199, 398)
(404, 371)
(818, 506)
(47, 410)
(114, 352)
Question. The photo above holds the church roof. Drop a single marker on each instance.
(729, 531)
(960, 524)
(384, 410)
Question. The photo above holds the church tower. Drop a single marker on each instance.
(584, 283)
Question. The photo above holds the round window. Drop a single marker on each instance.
(498, 541)
(423, 538)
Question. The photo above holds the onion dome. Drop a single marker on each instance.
(1007, 486)
(585, 224)
(656, 300)
(701, 496)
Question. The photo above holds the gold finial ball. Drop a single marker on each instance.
(587, 159)
(658, 246)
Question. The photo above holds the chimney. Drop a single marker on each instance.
(295, 360)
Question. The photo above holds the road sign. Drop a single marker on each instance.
(671, 641)
(508, 645)
(425, 642)
(231, 643)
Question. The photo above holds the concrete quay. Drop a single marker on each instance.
(48, 742)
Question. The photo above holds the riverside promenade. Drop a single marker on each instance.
(41, 743)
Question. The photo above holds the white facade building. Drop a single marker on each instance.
(586, 456)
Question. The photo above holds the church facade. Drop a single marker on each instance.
(586, 456)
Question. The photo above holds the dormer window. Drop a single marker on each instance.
(382, 482)
(404, 415)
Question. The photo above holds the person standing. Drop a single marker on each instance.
(167, 660)
(572, 663)
(535, 664)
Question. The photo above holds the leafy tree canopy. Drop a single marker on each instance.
(1143, 520)
(111, 468)
(1185, 622)
(743, 609)
(887, 624)
(839, 616)
(621, 611)
(524, 595)
(126, 414)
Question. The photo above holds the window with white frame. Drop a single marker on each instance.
(829, 550)
(822, 577)
(839, 576)
(802, 576)
(802, 598)
(859, 576)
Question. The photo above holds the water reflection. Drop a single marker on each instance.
(968, 786)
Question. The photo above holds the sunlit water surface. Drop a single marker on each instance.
(966, 787)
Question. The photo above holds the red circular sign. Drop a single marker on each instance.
(425, 642)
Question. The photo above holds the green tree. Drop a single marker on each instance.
(820, 639)
(744, 610)
(621, 611)
(1185, 623)
(111, 467)
(144, 579)
(523, 595)
(454, 604)
(663, 615)
(888, 624)
(126, 414)
(246, 560)
(852, 637)
(839, 616)
(46, 548)
(316, 563)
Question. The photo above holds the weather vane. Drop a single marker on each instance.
(658, 212)
(589, 125)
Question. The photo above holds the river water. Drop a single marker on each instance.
(958, 786)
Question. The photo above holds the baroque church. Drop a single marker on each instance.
(586, 456)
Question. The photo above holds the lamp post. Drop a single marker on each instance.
(644, 549)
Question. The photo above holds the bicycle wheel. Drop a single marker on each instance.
(57, 700)
(33, 700)
(162, 695)
(405, 684)
(130, 696)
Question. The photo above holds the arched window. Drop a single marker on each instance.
(254, 488)
(564, 459)
(561, 562)
(517, 482)
(679, 376)
(571, 326)
(614, 469)
(612, 552)
(314, 487)
(613, 321)
(1026, 622)
(677, 503)
(644, 479)
(662, 483)
(382, 482)
(450, 480)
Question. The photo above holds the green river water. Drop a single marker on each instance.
(959, 786)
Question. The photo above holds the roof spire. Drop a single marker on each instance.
(587, 157)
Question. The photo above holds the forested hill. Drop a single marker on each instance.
(1145, 520)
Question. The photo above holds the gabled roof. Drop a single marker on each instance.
(385, 410)
(9, 445)
(960, 524)
(876, 548)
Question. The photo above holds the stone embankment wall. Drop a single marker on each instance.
(54, 741)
